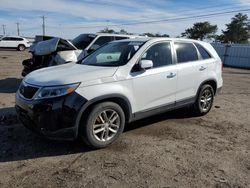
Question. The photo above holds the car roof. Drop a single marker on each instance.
(156, 39)
(116, 35)
(139, 39)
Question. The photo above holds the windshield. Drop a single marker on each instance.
(83, 40)
(113, 54)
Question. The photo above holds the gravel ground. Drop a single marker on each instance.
(168, 150)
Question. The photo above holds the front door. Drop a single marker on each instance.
(156, 86)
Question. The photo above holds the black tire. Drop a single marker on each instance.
(87, 125)
(21, 47)
(201, 108)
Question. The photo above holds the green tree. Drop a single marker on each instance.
(107, 30)
(155, 35)
(238, 31)
(201, 31)
(123, 31)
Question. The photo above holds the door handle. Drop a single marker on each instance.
(171, 75)
(202, 68)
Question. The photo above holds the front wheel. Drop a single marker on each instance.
(204, 101)
(103, 125)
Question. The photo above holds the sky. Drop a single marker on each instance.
(69, 18)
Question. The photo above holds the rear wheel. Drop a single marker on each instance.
(103, 125)
(204, 101)
(21, 47)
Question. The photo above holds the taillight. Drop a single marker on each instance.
(222, 66)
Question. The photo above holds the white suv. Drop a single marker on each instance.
(120, 82)
(16, 42)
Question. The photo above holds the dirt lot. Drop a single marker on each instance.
(169, 150)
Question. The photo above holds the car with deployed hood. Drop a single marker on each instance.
(121, 82)
(51, 51)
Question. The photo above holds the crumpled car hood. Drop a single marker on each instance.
(69, 73)
(49, 46)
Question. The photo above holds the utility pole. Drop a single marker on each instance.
(43, 17)
(18, 31)
(3, 30)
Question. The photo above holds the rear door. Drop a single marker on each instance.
(191, 70)
(155, 87)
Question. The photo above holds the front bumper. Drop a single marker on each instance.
(52, 118)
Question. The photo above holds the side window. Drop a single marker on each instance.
(185, 52)
(100, 41)
(18, 39)
(5, 39)
(203, 51)
(160, 54)
(120, 38)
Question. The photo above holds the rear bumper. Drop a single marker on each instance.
(51, 118)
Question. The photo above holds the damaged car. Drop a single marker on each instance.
(51, 51)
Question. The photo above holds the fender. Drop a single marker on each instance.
(111, 97)
(208, 80)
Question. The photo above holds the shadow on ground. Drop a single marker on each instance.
(240, 73)
(18, 143)
(8, 49)
(9, 85)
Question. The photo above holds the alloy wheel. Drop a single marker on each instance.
(106, 125)
(206, 100)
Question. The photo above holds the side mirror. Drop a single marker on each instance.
(146, 64)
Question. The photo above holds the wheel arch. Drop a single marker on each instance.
(121, 100)
(211, 82)
(21, 44)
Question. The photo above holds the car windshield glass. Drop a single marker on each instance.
(83, 40)
(113, 54)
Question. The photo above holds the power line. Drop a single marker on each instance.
(43, 25)
(202, 9)
(184, 12)
(3, 29)
(18, 31)
(161, 20)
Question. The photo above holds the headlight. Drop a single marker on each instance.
(57, 91)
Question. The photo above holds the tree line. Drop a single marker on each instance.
(122, 31)
(237, 31)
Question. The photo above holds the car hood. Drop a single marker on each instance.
(70, 73)
(49, 46)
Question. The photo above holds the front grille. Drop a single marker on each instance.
(27, 91)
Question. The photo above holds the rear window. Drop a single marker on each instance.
(185, 52)
(16, 39)
(203, 51)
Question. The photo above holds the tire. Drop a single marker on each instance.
(204, 101)
(21, 47)
(98, 130)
